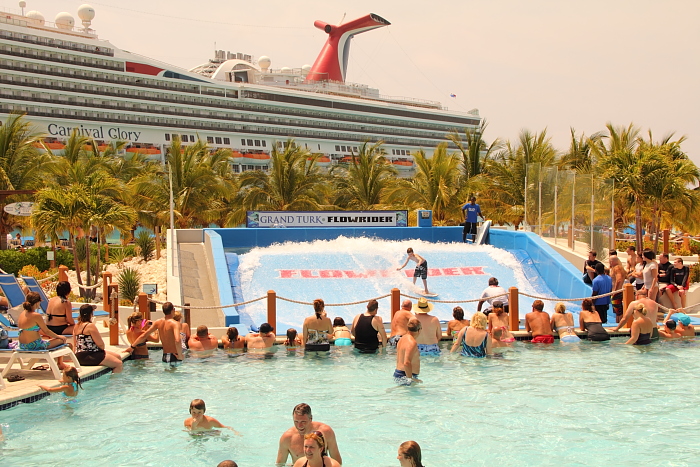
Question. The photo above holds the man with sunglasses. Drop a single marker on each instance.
(292, 440)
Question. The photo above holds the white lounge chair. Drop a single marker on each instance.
(28, 358)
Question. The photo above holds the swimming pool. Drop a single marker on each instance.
(587, 404)
(354, 269)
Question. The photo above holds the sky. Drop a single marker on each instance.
(536, 64)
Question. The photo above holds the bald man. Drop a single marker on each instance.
(399, 322)
(652, 311)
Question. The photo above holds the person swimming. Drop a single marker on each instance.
(71, 381)
(341, 333)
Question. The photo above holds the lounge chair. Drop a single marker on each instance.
(28, 358)
(12, 331)
(13, 292)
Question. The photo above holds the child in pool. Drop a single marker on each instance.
(293, 341)
(71, 381)
(200, 422)
(341, 333)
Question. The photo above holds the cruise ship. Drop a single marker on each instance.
(65, 78)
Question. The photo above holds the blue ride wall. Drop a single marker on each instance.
(560, 276)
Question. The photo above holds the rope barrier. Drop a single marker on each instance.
(334, 304)
(211, 307)
(47, 278)
(89, 287)
(453, 301)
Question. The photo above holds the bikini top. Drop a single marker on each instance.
(33, 328)
(63, 300)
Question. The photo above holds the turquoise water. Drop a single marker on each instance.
(587, 404)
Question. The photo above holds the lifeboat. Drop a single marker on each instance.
(144, 150)
(323, 161)
(256, 158)
(54, 145)
(236, 155)
(402, 164)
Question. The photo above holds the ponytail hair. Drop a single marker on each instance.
(73, 373)
(32, 299)
(319, 305)
(86, 313)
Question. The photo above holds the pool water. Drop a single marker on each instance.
(358, 269)
(585, 404)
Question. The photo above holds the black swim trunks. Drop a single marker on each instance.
(170, 358)
(421, 270)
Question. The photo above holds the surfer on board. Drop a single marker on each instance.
(421, 268)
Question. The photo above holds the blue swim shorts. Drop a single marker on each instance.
(343, 341)
(401, 379)
(569, 339)
(39, 344)
(429, 350)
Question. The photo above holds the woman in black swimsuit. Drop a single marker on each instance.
(89, 346)
(589, 320)
(315, 452)
(640, 333)
(59, 312)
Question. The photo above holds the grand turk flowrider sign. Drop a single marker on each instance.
(327, 219)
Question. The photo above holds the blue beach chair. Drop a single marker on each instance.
(13, 292)
(34, 286)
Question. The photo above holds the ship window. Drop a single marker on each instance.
(342, 148)
(218, 140)
(243, 142)
(250, 142)
(236, 168)
(257, 142)
(210, 139)
(227, 140)
(337, 148)
(185, 138)
(264, 144)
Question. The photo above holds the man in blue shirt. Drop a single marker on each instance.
(471, 210)
(602, 284)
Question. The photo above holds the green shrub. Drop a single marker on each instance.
(695, 273)
(117, 255)
(146, 244)
(129, 281)
(694, 247)
(13, 261)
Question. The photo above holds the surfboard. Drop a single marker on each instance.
(431, 294)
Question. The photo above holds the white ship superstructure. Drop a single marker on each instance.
(66, 78)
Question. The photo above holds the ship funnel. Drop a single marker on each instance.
(332, 63)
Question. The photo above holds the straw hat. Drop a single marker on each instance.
(423, 306)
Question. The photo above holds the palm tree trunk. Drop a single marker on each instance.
(156, 229)
(638, 225)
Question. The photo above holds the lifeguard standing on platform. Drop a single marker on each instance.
(471, 212)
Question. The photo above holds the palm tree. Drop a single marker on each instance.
(364, 183)
(21, 165)
(475, 151)
(294, 183)
(579, 156)
(435, 186)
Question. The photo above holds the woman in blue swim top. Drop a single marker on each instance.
(341, 333)
(30, 323)
(71, 383)
(474, 340)
(563, 322)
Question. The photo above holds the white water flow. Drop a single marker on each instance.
(358, 269)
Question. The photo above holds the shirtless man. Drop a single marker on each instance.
(421, 268)
(617, 274)
(408, 356)
(652, 311)
(292, 440)
(400, 321)
(169, 332)
(431, 331)
(683, 326)
(203, 341)
(538, 322)
(499, 319)
(262, 340)
(631, 260)
(200, 422)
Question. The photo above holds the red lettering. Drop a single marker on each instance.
(434, 272)
(451, 272)
(329, 273)
(409, 273)
(354, 275)
(308, 274)
(478, 270)
(288, 273)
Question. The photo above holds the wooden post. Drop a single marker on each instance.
(513, 309)
(667, 235)
(188, 315)
(106, 252)
(114, 313)
(395, 301)
(62, 273)
(627, 298)
(52, 263)
(686, 242)
(143, 306)
(271, 310)
(106, 280)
